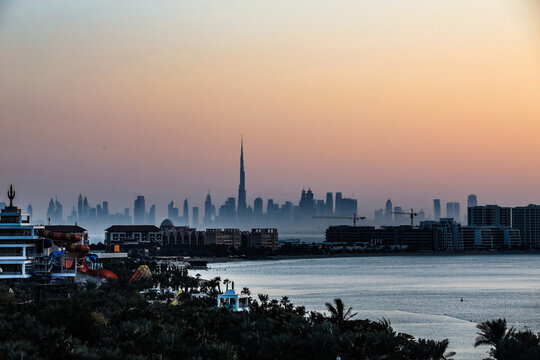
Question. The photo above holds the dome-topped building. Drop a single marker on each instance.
(167, 224)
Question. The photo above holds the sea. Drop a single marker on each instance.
(434, 297)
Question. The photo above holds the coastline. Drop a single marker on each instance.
(214, 260)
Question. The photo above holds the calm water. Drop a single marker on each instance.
(420, 295)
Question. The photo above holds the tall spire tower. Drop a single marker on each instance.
(242, 187)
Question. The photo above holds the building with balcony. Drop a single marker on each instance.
(19, 242)
(129, 235)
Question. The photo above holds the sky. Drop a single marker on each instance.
(401, 99)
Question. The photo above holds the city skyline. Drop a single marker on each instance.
(410, 101)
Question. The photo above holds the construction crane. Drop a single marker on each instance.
(354, 218)
(411, 213)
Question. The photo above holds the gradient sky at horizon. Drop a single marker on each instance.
(407, 100)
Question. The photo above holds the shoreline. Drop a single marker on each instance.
(215, 260)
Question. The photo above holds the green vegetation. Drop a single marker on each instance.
(125, 320)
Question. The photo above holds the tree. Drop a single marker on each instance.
(337, 313)
(492, 332)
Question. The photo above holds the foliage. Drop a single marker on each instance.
(131, 321)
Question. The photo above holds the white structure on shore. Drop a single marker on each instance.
(18, 241)
(233, 300)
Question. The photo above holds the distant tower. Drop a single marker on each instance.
(195, 216)
(437, 209)
(209, 209)
(139, 210)
(242, 187)
(29, 210)
(80, 207)
(388, 211)
(339, 197)
(186, 212)
(329, 203)
(85, 207)
(151, 216)
(472, 201)
(258, 207)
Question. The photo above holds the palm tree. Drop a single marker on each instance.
(246, 291)
(492, 332)
(337, 313)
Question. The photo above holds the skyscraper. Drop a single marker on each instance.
(209, 210)
(186, 212)
(437, 209)
(195, 216)
(80, 207)
(329, 203)
(258, 207)
(139, 211)
(339, 196)
(388, 211)
(172, 212)
(151, 216)
(242, 187)
(472, 201)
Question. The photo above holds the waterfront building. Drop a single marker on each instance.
(133, 235)
(526, 219)
(404, 236)
(139, 210)
(447, 234)
(490, 237)
(263, 238)
(227, 237)
(180, 235)
(19, 242)
(489, 215)
(436, 209)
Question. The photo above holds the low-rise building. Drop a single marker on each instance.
(133, 235)
(263, 238)
(227, 237)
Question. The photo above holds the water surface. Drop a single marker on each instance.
(420, 295)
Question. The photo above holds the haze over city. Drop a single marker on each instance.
(401, 100)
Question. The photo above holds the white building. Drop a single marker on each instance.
(18, 242)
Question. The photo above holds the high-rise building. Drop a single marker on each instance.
(329, 203)
(86, 208)
(80, 207)
(258, 207)
(527, 220)
(195, 216)
(452, 211)
(489, 215)
(139, 211)
(472, 201)
(151, 216)
(172, 212)
(339, 196)
(242, 187)
(437, 209)
(186, 212)
(388, 211)
(209, 210)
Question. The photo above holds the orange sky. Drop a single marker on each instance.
(403, 99)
